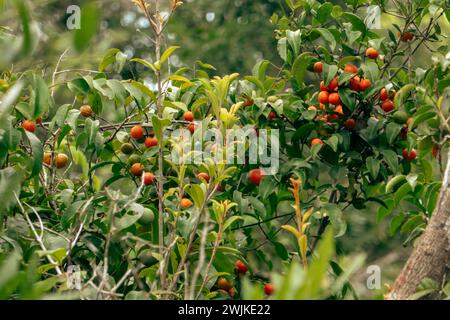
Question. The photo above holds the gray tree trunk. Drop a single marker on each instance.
(431, 256)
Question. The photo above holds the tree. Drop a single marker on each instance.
(114, 169)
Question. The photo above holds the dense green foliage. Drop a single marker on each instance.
(349, 152)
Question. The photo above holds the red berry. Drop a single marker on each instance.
(150, 142)
(365, 84)
(137, 132)
(323, 97)
(240, 267)
(188, 116)
(29, 125)
(334, 98)
(203, 176)
(268, 289)
(350, 124)
(384, 94)
(411, 155)
(387, 106)
(148, 178)
(272, 115)
(255, 176)
(318, 67)
(372, 53)
(351, 68)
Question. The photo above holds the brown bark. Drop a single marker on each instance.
(431, 256)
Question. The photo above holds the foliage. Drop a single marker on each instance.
(177, 234)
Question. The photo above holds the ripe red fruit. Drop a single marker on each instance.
(350, 124)
(232, 292)
(137, 169)
(384, 94)
(148, 178)
(203, 176)
(248, 102)
(318, 67)
(322, 86)
(351, 68)
(372, 53)
(334, 98)
(387, 106)
(355, 83)
(255, 176)
(272, 115)
(39, 120)
(332, 117)
(86, 111)
(150, 142)
(137, 132)
(411, 155)
(333, 85)
(224, 284)
(219, 188)
(188, 116)
(29, 125)
(406, 36)
(191, 128)
(185, 203)
(323, 97)
(268, 289)
(365, 84)
(240, 267)
(316, 141)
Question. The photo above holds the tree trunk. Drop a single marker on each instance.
(431, 256)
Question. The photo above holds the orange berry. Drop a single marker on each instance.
(86, 111)
(137, 132)
(137, 169)
(435, 151)
(240, 267)
(232, 292)
(387, 106)
(355, 83)
(47, 158)
(323, 97)
(316, 141)
(372, 53)
(365, 84)
(351, 68)
(272, 115)
(150, 142)
(224, 284)
(29, 125)
(318, 67)
(406, 36)
(185, 203)
(248, 102)
(255, 176)
(268, 289)
(333, 85)
(191, 128)
(334, 99)
(148, 178)
(203, 176)
(350, 124)
(188, 116)
(61, 160)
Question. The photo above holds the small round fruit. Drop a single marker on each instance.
(272, 115)
(406, 36)
(203, 176)
(151, 142)
(351, 68)
(86, 111)
(148, 178)
(186, 203)
(232, 292)
(240, 267)
(350, 124)
(323, 97)
(224, 284)
(147, 217)
(372, 53)
(400, 117)
(248, 102)
(127, 148)
(387, 106)
(39, 120)
(191, 128)
(332, 117)
(365, 84)
(355, 83)
(318, 67)
(255, 176)
(137, 169)
(334, 98)
(188, 116)
(316, 141)
(137, 132)
(47, 158)
(384, 94)
(333, 85)
(135, 158)
(61, 160)
(409, 155)
(29, 125)
(268, 289)
(322, 86)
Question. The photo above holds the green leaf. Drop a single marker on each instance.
(335, 213)
(10, 98)
(88, 27)
(79, 86)
(165, 56)
(108, 59)
(38, 153)
(145, 63)
(371, 70)
(324, 12)
(42, 97)
(402, 94)
(10, 183)
(230, 221)
(373, 165)
(392, 131)
(333, 142)
(197, 194)
(301, 66)
(294, 39)
(329, 72)
(356, 22)
(159, 126)
(328, 36)
(394, 182)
